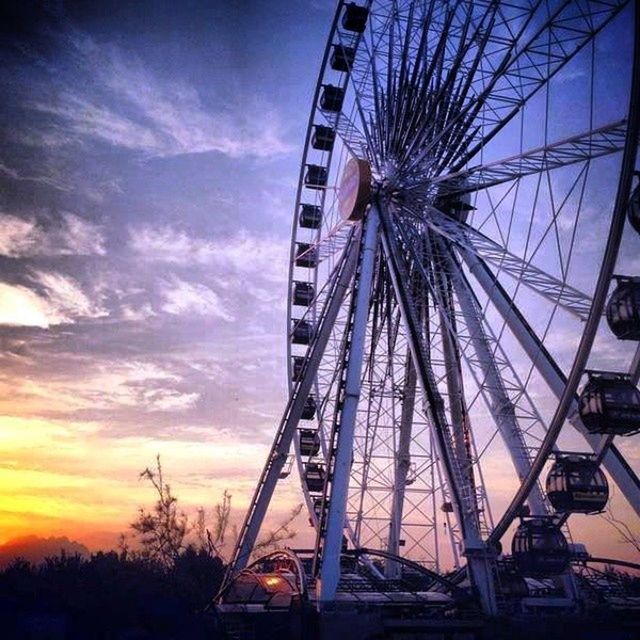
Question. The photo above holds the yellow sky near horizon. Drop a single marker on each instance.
(69, 479)
(59, 478)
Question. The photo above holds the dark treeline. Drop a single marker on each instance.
(158, 585)
(111, 596)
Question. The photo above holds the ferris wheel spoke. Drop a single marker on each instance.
(352, 137)
(593, 144)
(282, 443)
(464, 496)
(438, 90)
(462, 493)
(530, 67)
(551, 373)
(496, 40)
(469, 240)
(488, 364)
(501, 388)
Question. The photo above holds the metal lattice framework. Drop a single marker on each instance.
(425, 334)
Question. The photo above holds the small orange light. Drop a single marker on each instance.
(272, 581)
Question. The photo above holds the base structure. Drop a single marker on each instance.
(276, 597)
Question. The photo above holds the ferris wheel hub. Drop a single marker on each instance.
(354, 192)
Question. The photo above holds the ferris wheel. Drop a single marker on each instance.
(467, 173)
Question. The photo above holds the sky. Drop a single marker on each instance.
(149, 154)
(148, 161)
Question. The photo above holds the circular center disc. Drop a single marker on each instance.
(354, 193)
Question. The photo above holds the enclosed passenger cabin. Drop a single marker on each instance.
(309, 442)
(310, 216)
(286, 468)
(623, 309)
(303, 293)
(323, 138)
(309, 410)
(539, 548)
(576, 484)
(297, 366)
(302, 332)
(331, 98)
(306, 255)
(610, 403)
(355, 18)
(342, 58)
(634, 208)
(315, 177)
(314, 474)
(273, 591)
(275, 581)
(317, 507)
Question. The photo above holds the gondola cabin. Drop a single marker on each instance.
(539, 548)
(309, 410)
(315, 177)
(623, 309)
(297, 366)
(634, 208)
(302, 332)
(323, 138)
(306, 255)
(355, 18)
(309, 442)
(342, 58)
(610, 403)
(303, 293)
(331, 98)
(576, 484)
(314, 477)
(310, 216)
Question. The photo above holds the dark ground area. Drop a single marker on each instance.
(110, 596)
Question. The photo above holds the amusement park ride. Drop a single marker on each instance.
(467, 175)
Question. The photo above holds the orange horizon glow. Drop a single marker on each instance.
(69, 480)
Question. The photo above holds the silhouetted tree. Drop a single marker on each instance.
(274, 537)
(161, 532)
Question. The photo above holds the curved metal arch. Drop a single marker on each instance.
(599, 298)
(458, 593)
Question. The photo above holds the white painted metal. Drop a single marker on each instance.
(402, 465)
(620, 471)
(339, 487)
(480, 560)
(502, 408)
(282, 442)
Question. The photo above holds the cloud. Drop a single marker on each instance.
(66, 296)
(182, 297)
(105, 93)
(16, 175)
(244, 253)
(106, 386)
(50, 235)
(20, 306)
(58, 299)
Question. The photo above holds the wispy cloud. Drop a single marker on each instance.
(53, 299)
(20, 306)
(14, 174)
(109, 95)
(263, 255)
(50, 235)
(182, 297)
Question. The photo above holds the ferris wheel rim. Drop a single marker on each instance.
(314, 111)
